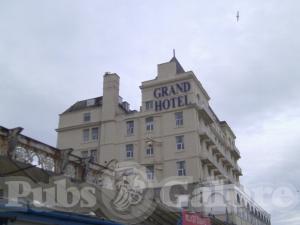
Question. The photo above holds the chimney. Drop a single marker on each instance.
(110, 99)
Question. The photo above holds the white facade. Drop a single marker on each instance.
(175, 132)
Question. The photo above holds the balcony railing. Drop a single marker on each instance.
(209, 137)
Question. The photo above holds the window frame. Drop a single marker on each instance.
(179, 145)
(149, 124)
(149, 149)
(87, 115)
(92, 133)
(178, 119)
(149, 105)
(150, 172)
(90, 102)
(130, 129)
(86, 135)
(129, 151)
(181, 168)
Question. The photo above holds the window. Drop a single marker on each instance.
(149, 123)
(130, 127)
(129, 151)
(149, 105)
(149, 151)
(150, 172)
(90, 102)
(84, 154)
(179, 119)
(93, 155)
(179, 142)
(95, 132)
(181, 168)
(87, 117)
(86, 135)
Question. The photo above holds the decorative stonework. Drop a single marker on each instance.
(47, 162)
(39, 159)
(70, 171)
(94, 178)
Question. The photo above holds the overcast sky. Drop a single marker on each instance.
(54, 53)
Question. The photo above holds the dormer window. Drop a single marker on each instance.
(90, 102)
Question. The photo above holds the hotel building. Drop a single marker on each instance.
(175, 132)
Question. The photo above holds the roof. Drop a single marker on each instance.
(85, 104)
(94, 102)
(179, 68)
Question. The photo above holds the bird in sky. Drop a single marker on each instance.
(237, 16)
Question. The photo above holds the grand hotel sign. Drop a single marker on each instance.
(172, 96)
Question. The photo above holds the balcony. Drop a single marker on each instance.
(206, 135)
(236, 152)
(227, 163)
(217, 172)
(208, 160)
(215, 151)
(204, 114)
(219, 155)
(237, 170)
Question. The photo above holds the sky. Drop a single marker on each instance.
(54, 53)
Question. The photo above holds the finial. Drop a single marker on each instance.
(173, 52)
